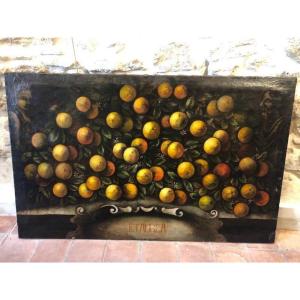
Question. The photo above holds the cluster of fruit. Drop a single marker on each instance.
(174, 135)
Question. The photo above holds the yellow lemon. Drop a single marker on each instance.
(45, 170)
(164, 147)
(206, 203)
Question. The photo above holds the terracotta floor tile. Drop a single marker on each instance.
(230, 252)
(195, 252)
(159, 252)
(266, 256)
(86, 251)
(17, 250)
(288, 239)
(121, 251)
(292, 255)
(7, 223)
(51, 251)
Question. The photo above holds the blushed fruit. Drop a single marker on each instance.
(178, 120)
(85, 135)
(248, 191)
(165, 90)
(222, 170)
(180, 91)
(262, 198)
(165, 121)
(248, 165)
(63, 171)
(164, 147)
(39, 140)
(202, 166)
(113, 192)
(166, 195)
(141, 144)
(114, 120)
(60, 152)
(246, 150)
(158, 173)
(73, 152)
(212, 109)
(127, 93)
(130, 191)
(245, 135)
(131, 155)
(241, 209)
(30, 171)
(222, 136)
(22, 104)
(210, 181)
(175, 150)
(127, 125)
(151, 130)
(93, 183)
(118, 150)
(59, 190)
(63, 120)
(83, 104)
(141, 105)
(84, 192)
(229, 193)
(198, 128)
(185, 170)
(144, 176)
(180, 197)
(93, 113)
(110, 168)
(45, 170)
(97, 139)
(206, 203)
(97, 163)
(263, 169)
(225, 104)
(212, 146)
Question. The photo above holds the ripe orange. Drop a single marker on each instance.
(127, 93)
(165, 121)
(59, 190)
(141, 144)
(180, 197)
(165, 90)
(85, 135)
(93, 183)
(263, 169)
(141, 105)
(180, 91)
(83, 104)
(110, 168)
(262, 198)
(222, 170)
(84, 192)
(158, 173)
(175, 150)
(241, 209)
(164, 147)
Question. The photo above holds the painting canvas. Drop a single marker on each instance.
(184, 158)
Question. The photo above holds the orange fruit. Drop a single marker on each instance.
(247, 165)
(118, 150)
(130, 191)
(212, 109)
(97, 163)
(84, 192)
(212, 146)
(245, 135)
(167, 195)
(158, 173)
(97, 139)
(59, 190)
(206, 203)
(93, 112)
(127, 125)
(93, 183)
(165, 90)
(141, 105)
(222, 136)
(229, 193)
(83, 104)
(198, 128)
(180, 197)
(45, 170)
(73, 152)
(113, 192)
(114, 120)
(178, 120)
(63, 171)
(246, 150)
(63, 120)
(210, 181)
(110, 168)
(141, 144)
(175, 150)
(60, 152)
(222, 170)
(225, 104)
(263, 169)
(164, 147)
(262, 198)
(127, 93)
(131, 155)
(185, 170)
(248, 191)
(180, 91)
(202, 166)
(30, 171)
(144, 176)
(151, 130)
(39, 140)
(85, 136)
(165, 121)
(240, 209)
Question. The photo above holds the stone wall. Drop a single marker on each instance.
(200, 56)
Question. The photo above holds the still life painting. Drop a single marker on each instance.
(148, 157)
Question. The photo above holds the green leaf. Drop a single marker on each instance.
(194, 195)
(123, 174)
(159, 185)
(190, 103)
(152, 188)
(72, 199)
(106, 132)
(79, 166)
(188, 186)
(106, 180)
(160, 161)
(156, 112)
(217, 196)
(202, 191)
(172, 175)
(192, 143)
(178, 185)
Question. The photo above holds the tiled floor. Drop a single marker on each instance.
(12, 249)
